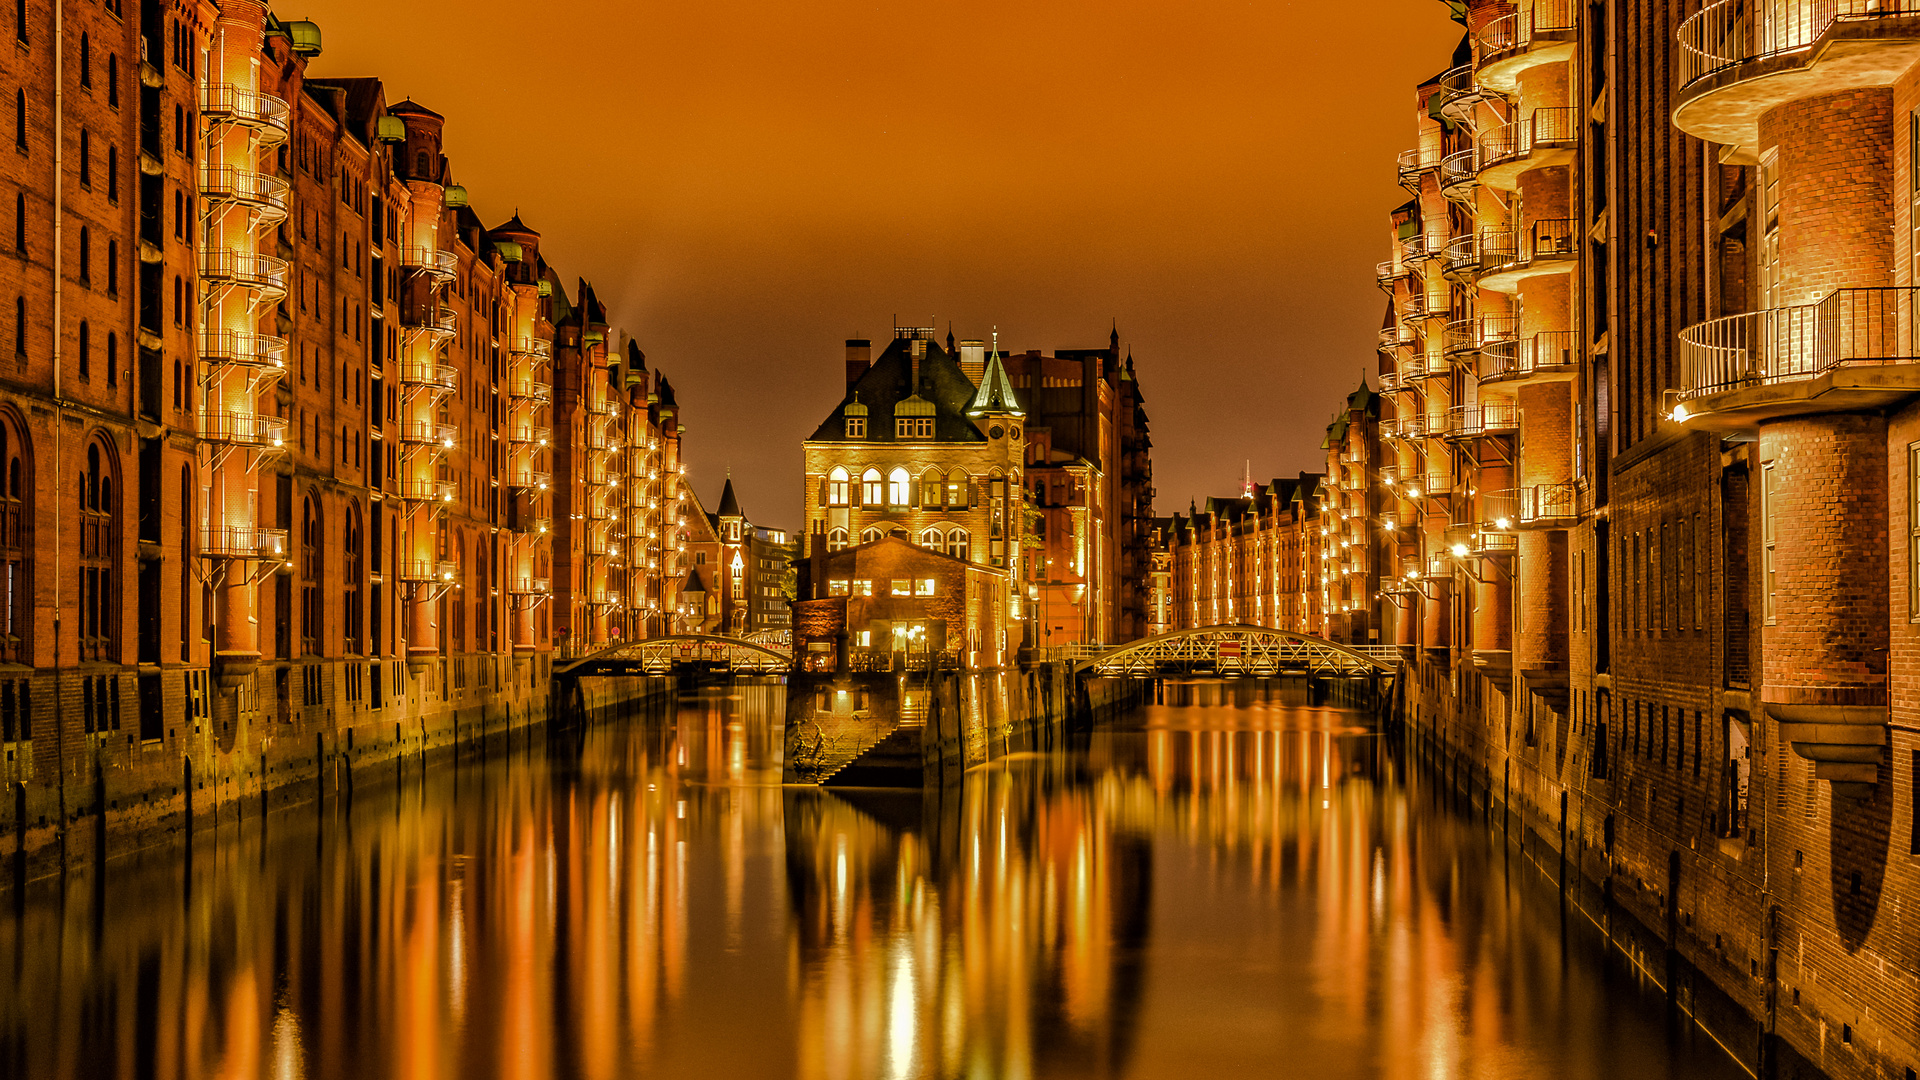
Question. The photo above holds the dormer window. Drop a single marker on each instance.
(914, 427)
(856, 427)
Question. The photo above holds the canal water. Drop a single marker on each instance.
(1234, 887)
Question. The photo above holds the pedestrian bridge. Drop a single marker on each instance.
(1257, 651)
(682, 652)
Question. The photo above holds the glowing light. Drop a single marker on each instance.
(1459, 551)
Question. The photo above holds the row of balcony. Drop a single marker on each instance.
(435, 320)
(1457, 422)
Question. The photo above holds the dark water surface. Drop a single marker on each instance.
(1197, 891)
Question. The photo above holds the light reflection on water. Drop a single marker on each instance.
(1197, 890)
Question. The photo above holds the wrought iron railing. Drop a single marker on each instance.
(1511, 249)
(1734, 32)
(1512, 33)
(1416, 162)
(1546, 351)
(1849, 327)
(243, 542)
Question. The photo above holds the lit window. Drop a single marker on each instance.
(837, 487)
(923, 587)
(836, 540)
(872, 488)
(902, 587)
(1769, 533)
(913, 427)
(863, 588)
(899, 488)
(866, 639)
(838, 587)
(856, 427)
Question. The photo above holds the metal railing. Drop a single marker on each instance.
(243, 347)
(1486, 418)
(1545, 129)
(414, 489)
(1397, 336)
(1546, 351)
(434, 320)
(1461, 256)
(1415, 248)
(530, 433)
(437, 376)
(1428, 486)
(225, 101)
(243, 429)
(1552, 19)
(1542, 502)
(1459, 168)
(243, 542)
(1734, 32)
(537, 348)
(529, 586)
(528, 478)
(1498, 509)
(531, 389)
(1462, 336)
(1512, 249)
(1416, 162)
(1387, 273)
(266, 273)
(427, 431)
(1848, 327)
(428, 570)
(442, 264)
(230, 183)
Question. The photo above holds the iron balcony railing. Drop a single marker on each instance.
(529, 586)
(1730, 33)
(249, 108)
(243, 348)
(1429, 486)
(1439, 565)
(414, 489)
(1547, 351)
(1390, 273)
(418, 570)
(243, 542)
(531, 390)
(1486, 418)
(529, 478)
(1498, 509)
(1462, 336)
(430, 261)
(1849, 327)
(1540, 20)
(535, 523)
(1417, 162)
(1545, 129)
(1458, 171)
(435, 376)
(1393, 382)
(429, 433)
(243, 429)
(1461, 258)
(1390, 474)
(535, 348)
(1514, 249)
(1495, 542)
(245, 187)
(530, 433)
(433, 320)
(1537, 502)
(1417, 248)
(265, 273)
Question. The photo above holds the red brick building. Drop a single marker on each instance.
(890, 603)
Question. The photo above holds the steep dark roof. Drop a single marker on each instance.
(410, 107)
(513, 226)
(886, 385)
(729, 505)
(694, 582)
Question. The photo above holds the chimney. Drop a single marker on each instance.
(973, 360)
(859, 359)
(917, 349)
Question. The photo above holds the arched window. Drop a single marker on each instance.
(312, 606)
(352, 550)
(960, 545)
(189, 525)
(113, 359)
(86, 60)
(99, 553)
(16, 588)
(113, 268)
(837, 487)
(422, 161)
(836, 539)
(899, 488)
(86, 350)
(933, 540)
(86, 255)
(870, 534)
(20, 119)
(930, 489)
(872, 488)
(957, 488)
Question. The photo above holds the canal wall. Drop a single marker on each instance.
(106, 790)
(1712, 941)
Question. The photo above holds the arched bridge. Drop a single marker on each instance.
(1240, 650)
(662, 655)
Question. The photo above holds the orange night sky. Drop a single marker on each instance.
(749, 183)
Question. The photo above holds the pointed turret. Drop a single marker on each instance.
(729, 505)
(996, 389)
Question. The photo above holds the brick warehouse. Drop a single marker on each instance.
(1645, 499)
(349, 463)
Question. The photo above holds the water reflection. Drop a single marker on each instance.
(1224, 888)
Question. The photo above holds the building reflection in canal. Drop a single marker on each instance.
(1235, 885)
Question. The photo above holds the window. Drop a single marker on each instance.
(1731, 815)
(957, 488)
(86, 255)
(856, 427)
(872, 491)
(99, 553)
(837, 487)
(353, 552)
(113, 80)
(838, 587)
(312, 610)
(836, 540)
(1769, 498)
(86, 158)
(16, 589)
(863, 588)
(113, 174)
(113, 359)
(20, 223)
(960, 545)
(933, 540)
(113, 268)
(870, 534)
(899, 488)
(900, 587)
(1913, 524)
(86, 351)
(930, 489)
(923, 587)
(913, 427)
(20, 120)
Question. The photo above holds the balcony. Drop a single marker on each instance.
(1417, 163)
(1418, 305)
(1460, 260)
(1545, 138)
(1543, 32)
(438, 377)
(1417, 249)
(1393, 382)
(1740, 58)
(1854, 349)
(264, 113)
(1487, 419)
(531, 349)
(264, 274)
(229, 185)
(535, 524)
(1390, 273)
(1551, 353)
(1462, 337)
(243, 348)
(1428, 486)
(1438, 567)
(530, 390)
(1540, 506)
(600, 404)
(1494, 542)
(1460, 92)
(1397, 336)
(529, 478)
(230, 428)
(529, 586)
(427, 433)
(1510, 256)
(414, 489)
(420, 571)
(530, 434)
(440, 322)
(1460, 174)
(438, 265)
(243, 542)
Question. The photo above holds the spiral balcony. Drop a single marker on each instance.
(225, 103)
(531, 349)
(1460, 93)
(243, 429)
(1417, 305)
(441, 266)
(1417, 249)
(231, 186)
(415, 490)
(530, 434)
(243, 542)
(1460, 174)
(243, 348)
(1740, 58)
(1510, 256)
(1415, 164)
(1551, 353)
(1393, 382)
(427, 433)
(1485, 420)
(432, 320)
(1460, 260)
(1543, 32)
(1390, 273)
(434, 377)
(1853, 350)
(1397, 336)
(265, 274)
(1544, 138)
(530, 390)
